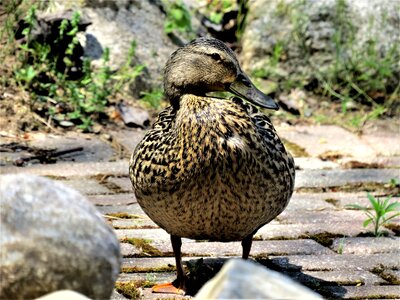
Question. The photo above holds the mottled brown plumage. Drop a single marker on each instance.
(211, 168)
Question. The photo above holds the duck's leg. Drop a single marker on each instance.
(246, 245)
(178, 286)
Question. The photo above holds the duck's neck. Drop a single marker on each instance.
(200, 117)
(197, 111)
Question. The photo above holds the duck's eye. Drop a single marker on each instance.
(215, 56)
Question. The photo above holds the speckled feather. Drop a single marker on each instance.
(212, 169)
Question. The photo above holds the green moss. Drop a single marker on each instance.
(332, 201)
(128, 289)
(136, 269)
(390, 277)
(323, 238)
(143, 245)
(294, 149)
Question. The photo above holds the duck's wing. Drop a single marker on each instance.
(269, 136)
(151, 154)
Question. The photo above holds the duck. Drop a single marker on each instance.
(210, 168)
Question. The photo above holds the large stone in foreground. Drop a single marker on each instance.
(51, 239)
(240, 279)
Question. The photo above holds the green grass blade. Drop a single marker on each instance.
(391, 217)
(375, 202)
(393, 207)
(367, 222)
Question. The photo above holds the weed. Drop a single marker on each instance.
(178, 17)
(215, 10)
(356, 74)
(394, 182)
(360, 74)
(153, 98)
(341, 246)
(379, 214)
(63, 87)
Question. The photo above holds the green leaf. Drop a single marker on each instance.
(73, 31)
(26, 31)
(367, 222)
(392, 217)
(169, 27)
(177, 14)
(30, 74)
(393, 207)
(375, 203)
(67, 61)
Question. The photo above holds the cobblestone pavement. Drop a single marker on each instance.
(317, 240)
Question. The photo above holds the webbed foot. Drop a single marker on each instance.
(169, 288)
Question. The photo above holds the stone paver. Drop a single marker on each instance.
(337, 262)
(334, 178)
(84, 169)
(87, 186)
(367, 245)
(342, 199)
(154, 264)
(313, 163)
(263, 248)
(317, 140)
(94, 149)
(137, 222)
(156, 277)
(123, 183)
(344, 277)
(114, 200)
(319, 217)
(147, 234)
(132, 208)
(318, 240)
(128, 139)
(323, 232)
(129, 250)
(309, 202)
(369, 162)
(365, 292)
(383, 137)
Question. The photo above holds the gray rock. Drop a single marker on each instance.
(117, 25)
(240, 279)
(134, 116)
(53, 239)
(64, 295)
(307, 31)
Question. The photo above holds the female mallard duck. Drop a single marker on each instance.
(210, 168)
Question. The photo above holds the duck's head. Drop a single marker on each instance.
(208, 65)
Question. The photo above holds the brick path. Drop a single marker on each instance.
(317, 240)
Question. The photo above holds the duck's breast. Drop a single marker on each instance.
(222, 175)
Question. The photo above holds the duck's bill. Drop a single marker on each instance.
(244, 88)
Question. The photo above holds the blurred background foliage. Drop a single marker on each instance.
(318, 62)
